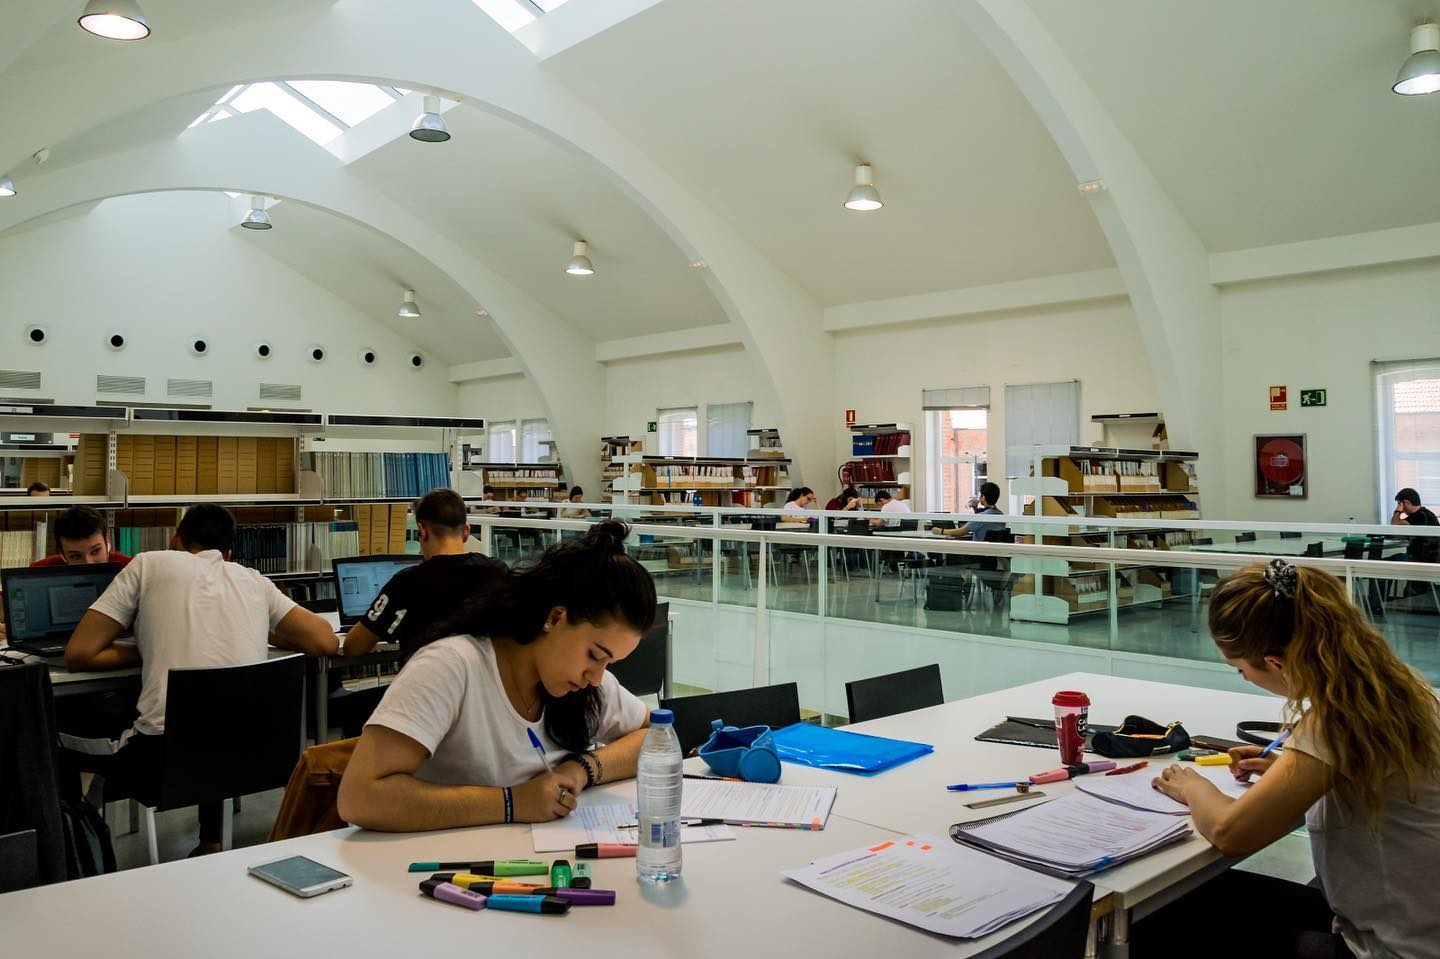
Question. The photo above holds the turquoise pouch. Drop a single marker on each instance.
(747, 753)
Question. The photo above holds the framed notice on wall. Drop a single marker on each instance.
(1280, 466)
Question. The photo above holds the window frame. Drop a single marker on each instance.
(660, 420)
(1385, 375)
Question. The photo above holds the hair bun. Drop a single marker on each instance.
(608, 536)
(1282, 577)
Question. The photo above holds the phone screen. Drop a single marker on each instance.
(298, 872)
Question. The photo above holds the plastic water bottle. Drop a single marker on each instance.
(660, 780)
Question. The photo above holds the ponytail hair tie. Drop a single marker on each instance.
(1282, 577)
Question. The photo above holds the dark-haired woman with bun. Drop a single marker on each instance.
(1362, 767)
(448, 746)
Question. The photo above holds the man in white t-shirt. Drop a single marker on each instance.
(889, 504)
(188, 606)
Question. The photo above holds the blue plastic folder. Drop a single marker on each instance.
(811, 745)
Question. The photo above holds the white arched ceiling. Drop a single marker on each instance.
(456, 48)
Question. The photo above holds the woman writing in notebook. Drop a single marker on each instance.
(449, 745)
(1362, 767)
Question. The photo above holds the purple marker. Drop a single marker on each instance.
(449, 892)
(580, 897)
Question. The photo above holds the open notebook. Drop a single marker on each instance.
(1134, 789)
(1073, 836)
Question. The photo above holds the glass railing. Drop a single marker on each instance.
(760, 596)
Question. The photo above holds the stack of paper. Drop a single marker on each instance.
(757, 804)
(607, 824)
(933, 884)
(1073, 836)
(1134, 789)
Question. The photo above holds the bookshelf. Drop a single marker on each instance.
(1083, 481)
(717, 480)
(880, 460)
(616, 468)
(536, 480)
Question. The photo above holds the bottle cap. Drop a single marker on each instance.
(661, 717)
(1070, 697)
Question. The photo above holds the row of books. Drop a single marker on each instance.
(18, 546)
(867, 471)
(132, 540)
(878, 444)
(1117, 467)
(688, 476)
(376, 475)
(295, 547)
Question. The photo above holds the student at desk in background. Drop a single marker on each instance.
(188, 606)
(976, 529)
(798, 501)
(1409, 512)
(80, 533)
(418, 596)
(1362, 768)
(889, 504)
(37, 488)
(447, 746)
(577, 495)
(847, 499)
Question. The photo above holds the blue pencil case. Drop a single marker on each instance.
(747, 753)
(810, 745)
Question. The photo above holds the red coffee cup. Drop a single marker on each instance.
(1072, 716)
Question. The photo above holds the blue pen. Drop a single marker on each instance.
(966, 787)
(535, 741)
(1275, 743)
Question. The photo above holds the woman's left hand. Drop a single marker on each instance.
(573, 771)
(1180, 783)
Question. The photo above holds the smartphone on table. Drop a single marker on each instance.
(301, 876)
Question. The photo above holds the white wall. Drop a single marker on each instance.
(881, 371)
(166, 267)
(635, 389)
(1319, 332)
(502, 398)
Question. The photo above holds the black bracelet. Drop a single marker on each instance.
(590, 777)
(509, 804)
(599, 768)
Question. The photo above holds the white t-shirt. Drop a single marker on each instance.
(1377, 882)
(450, 700)
(895, 506)
(794, 507)
(190, 609)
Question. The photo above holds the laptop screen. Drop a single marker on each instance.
(358, 579)
(46, 603)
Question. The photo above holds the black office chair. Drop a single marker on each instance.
(229, 731)
(774, 706)
(881, 696)
(994, 573)
(1245, 538)
(1289, 535)
(1060, 934)
(1314, 550)
(18, 866)
(1354, 549)
(29, 786)
(643, 671)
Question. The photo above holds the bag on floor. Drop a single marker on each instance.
(88, 851)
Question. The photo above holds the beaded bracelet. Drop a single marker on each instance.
(590, 778)
(599, 768)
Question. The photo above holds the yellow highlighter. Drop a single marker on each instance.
(1219, 759)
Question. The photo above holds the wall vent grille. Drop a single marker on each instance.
(19, 380)
(280, 391)
(119, 384)
(189, 388)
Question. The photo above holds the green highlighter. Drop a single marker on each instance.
(580, 879)
(560, 874)
(489, 867)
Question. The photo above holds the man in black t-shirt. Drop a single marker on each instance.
(1409, 512)
(418, 597)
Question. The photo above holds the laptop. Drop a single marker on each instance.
(42, 606)
(358, 580)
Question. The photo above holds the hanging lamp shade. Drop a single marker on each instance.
(408, 308)
(430, 126)
(115, 20)
(863, 196)
(1420, 73)
(7, 187)
(579, 263)
(257, 218)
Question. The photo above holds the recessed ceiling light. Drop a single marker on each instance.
(863, 196)
(1091, 186)
(482, 312)
(430, 125)
(1420, 72)
(697, 264)
(257, 218)
(408, 308)
(114, 20)
(579, 264)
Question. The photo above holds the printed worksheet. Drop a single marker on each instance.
(612, 823)
(758, 804)
(1135, 789)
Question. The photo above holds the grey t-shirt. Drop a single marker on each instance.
(1380, 882)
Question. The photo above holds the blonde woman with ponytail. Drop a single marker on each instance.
(1362, 767)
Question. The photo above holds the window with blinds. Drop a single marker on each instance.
(1039, 414)
(726, 429)
(956, 440)
(679, 431)
(1408, 402)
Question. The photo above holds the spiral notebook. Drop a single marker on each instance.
(1074, 836)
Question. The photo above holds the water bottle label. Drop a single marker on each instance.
(671, 834)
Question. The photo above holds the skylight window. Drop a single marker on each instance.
(514, 14)
(320, 109)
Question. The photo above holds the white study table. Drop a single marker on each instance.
(912, 798)
(731, 901)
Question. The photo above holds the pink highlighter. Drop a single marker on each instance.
(1070, 772)
(451, 893)
(604, 850)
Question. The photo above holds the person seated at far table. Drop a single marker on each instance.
(1362, 768)
(796, 503)
(889, 503)
(188, 606)
(1409, 512)
(577, 495)
(80, 533)
(488, 502)
(847, 499)
(37, 488)
(976, 529)
(448, 745)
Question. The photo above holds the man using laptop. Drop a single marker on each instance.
(80, 533)
(188, 606)
(419, 596)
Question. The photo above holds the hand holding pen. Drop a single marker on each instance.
(1246, 761)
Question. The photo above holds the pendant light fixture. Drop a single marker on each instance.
(1420, 73)
(257, 218)
(863, 196)
(408, 308)
(7, 188)
(114, 20)
(430, 126)
(580, 264)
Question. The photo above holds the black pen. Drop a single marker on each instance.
(714, 779)
(1034, 723)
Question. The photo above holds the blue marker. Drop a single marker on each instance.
(544, 905)
(1274, 744)
(966, 787)
(535, 741)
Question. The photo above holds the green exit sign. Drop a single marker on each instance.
(1312, 397)
(652, 427)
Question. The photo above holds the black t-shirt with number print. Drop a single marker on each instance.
(420, 596)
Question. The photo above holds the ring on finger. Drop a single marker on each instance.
(564, 794)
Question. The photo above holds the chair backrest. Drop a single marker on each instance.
(1315, 549)
(1354, 550)
(1374, 550)
(1245, 538)
(1285, 534)
(882, 696)
(18, 866)
(943, 524)
(1203, 541)
(231, 730)
(859, 527)
(1058, 934)
(909, 525)
(643, 671)
(29, 785)
(774, 706)
(763, 523)
(990, 564)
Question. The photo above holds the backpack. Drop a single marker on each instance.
(88, 851)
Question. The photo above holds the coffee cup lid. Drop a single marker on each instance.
(1070, 697)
